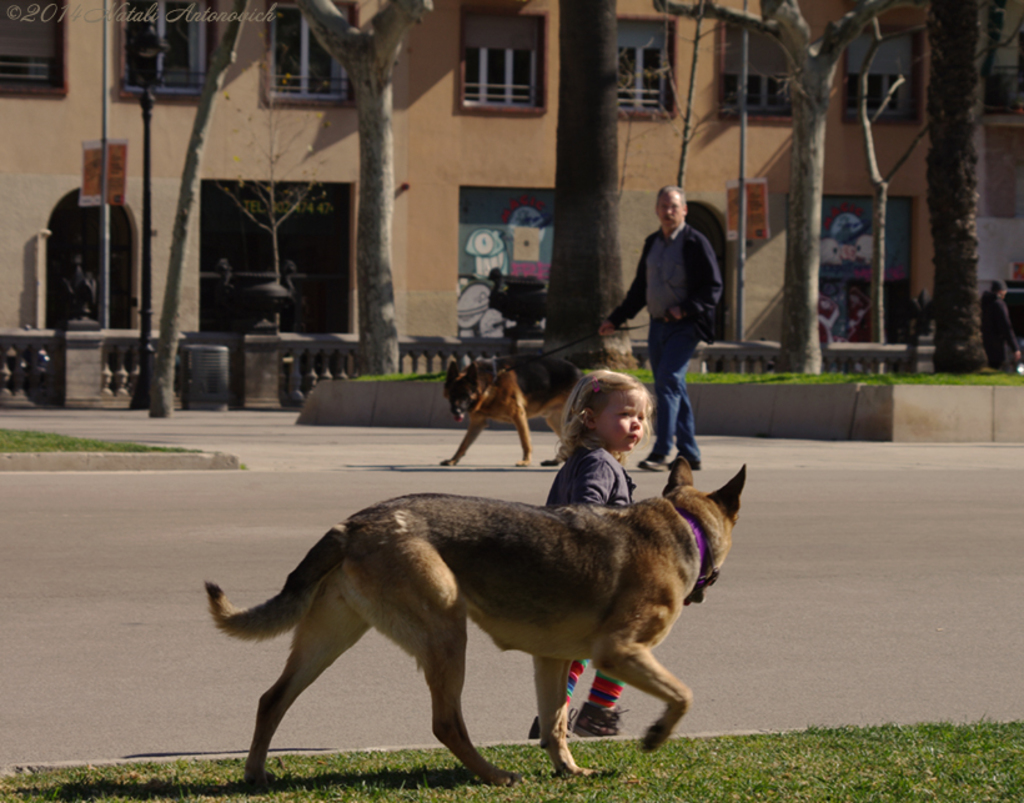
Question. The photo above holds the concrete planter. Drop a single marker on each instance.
(902, 413)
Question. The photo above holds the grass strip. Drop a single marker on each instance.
(932, 762)
(14, 440)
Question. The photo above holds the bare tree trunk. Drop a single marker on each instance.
(378, 335)
(162, 393)
(369, 57)
(691, 91)
(800, 345)
(953, 30)
(586, 267)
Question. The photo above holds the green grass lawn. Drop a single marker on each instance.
(981, 762)
(13, 440)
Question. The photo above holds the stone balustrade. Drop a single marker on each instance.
(100, 368)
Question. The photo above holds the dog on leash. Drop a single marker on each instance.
(510, 389)
(559, 583)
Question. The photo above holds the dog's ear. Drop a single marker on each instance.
(728, 496)
(471, 374)
(679, 476)
(453, 373)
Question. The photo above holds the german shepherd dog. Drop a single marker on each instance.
(559, 583)
(511, 389)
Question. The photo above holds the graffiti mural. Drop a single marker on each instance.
(844, 303)
(509, 230)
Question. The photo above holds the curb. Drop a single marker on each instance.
(118, 461)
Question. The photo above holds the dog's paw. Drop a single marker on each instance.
(523, 463)
(507, 779)
(449, 462)
(261, 778)
(654, 738)
(550, 462)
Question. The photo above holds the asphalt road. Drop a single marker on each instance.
(868, 583)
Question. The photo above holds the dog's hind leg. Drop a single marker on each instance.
(637, 666)
(522, 425)
(550, 677)
(444, 666)
(328, 629)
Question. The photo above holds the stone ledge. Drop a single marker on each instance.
(117, 461)
(901, 413)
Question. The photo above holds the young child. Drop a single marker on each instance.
(606, 417)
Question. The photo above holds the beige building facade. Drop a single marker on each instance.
(476, 104)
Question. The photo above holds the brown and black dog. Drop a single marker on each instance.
(559, 583)
(511, 389)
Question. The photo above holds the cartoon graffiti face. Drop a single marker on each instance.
(488, 246)
(847, 227)
(830, 252)
(865, 247)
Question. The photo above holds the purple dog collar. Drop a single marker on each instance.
(708, 572)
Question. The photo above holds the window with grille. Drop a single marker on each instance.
(302, 68)
(767, 87)
(891, 72)
(644, 70)
(502, 61)
(182, 69)
(31, 51)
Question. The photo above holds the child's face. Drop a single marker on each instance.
(620, 425)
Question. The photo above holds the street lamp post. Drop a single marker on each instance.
(146, 44)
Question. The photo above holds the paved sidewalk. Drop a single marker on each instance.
(868, 583)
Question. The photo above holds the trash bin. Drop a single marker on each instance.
(206, 378)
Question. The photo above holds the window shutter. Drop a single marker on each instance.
(497, 32)
(641, 35)
(894, 57)
(34, 39)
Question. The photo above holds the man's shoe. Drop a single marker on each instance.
(694, 465)
(597, 721)
(655, 462)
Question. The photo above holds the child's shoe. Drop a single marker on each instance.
(597, 721)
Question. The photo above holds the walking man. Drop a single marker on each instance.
(997, 334)
(679, 282)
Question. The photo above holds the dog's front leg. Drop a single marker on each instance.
(550, 677)
(636, 666)
(477, 424)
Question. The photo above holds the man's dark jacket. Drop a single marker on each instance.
(996, 329)
(703, 284)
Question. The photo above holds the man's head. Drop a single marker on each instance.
(671, 208)
(999, 288)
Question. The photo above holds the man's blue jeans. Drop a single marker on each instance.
(670, 347)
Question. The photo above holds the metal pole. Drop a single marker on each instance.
(741, 252)
(104, 300)
(140, 401)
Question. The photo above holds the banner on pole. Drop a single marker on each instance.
(757, 209)
(90, 192)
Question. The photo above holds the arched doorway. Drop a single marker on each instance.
(76, 236)
(704, 220)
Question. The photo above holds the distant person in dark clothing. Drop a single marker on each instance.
(996, 330)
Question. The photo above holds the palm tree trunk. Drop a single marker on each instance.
(953, 30)
(586, 270)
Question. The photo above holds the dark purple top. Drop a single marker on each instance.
(592, 477)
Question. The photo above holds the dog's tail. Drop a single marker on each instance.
(281, 613)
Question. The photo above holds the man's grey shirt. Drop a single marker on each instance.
(666, 276)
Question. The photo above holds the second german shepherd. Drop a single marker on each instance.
(559, 583)
(510, 389)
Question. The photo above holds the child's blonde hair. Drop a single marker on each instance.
(590, 396)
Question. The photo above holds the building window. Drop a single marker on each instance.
(31, 50)
(502, 66)
(182, 69)
(644, 67)
(891, 72)
(302, 69)
(767, 84)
